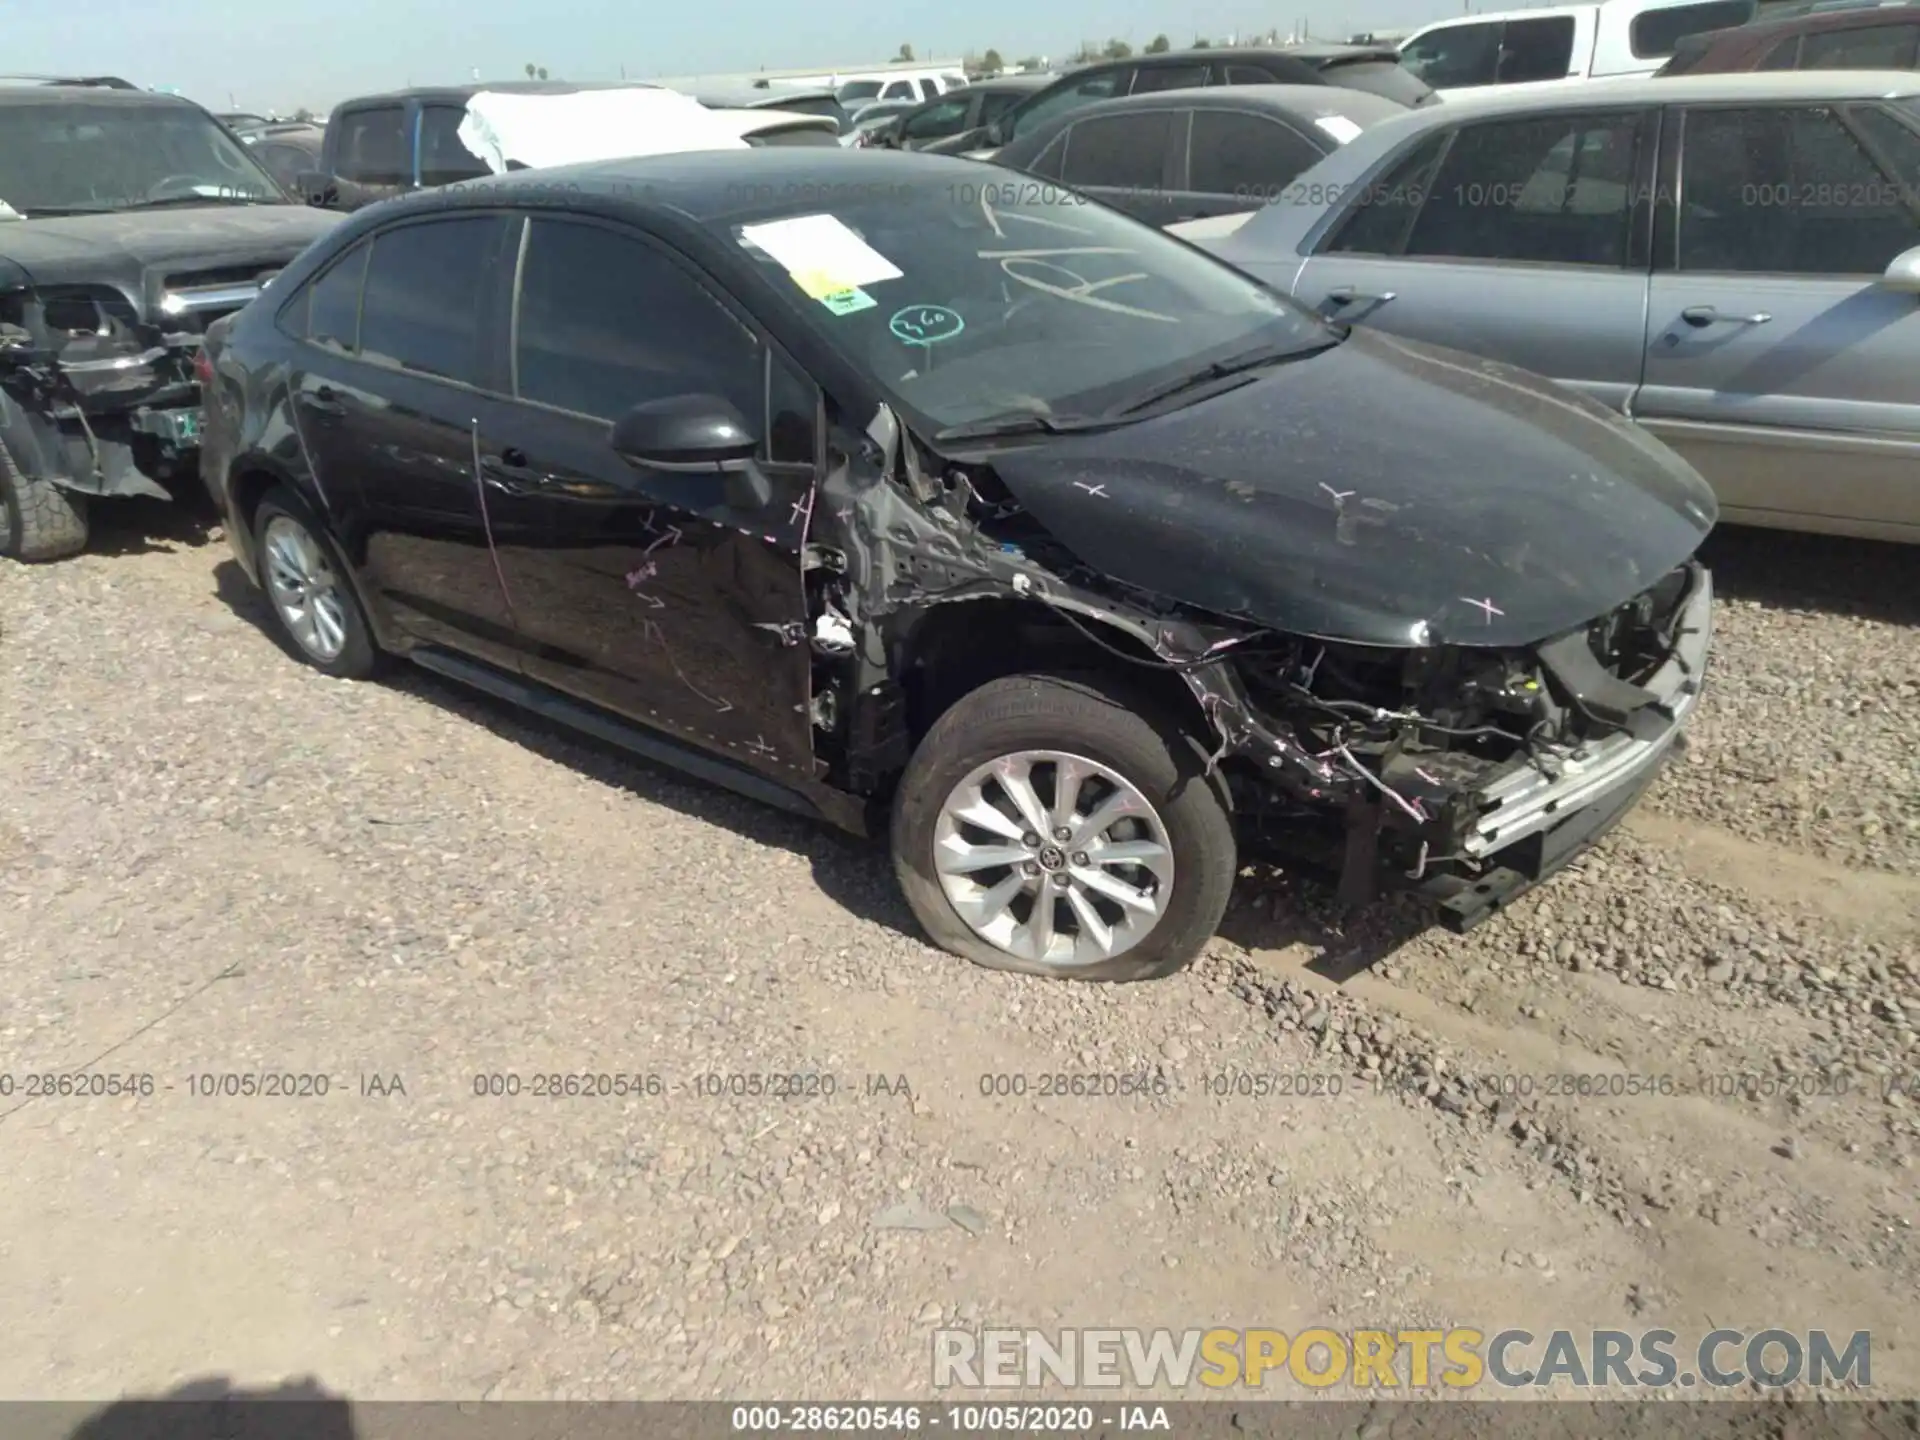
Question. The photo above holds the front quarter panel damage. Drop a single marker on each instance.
(1370, 761)
(902, 540)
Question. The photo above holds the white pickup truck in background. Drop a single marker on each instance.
(1559, 44)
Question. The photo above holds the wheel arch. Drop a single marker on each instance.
(951, 648)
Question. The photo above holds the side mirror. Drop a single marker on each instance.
(316, 187)
(698, 435)
(1903, 274)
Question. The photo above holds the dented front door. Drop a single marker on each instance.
(671, 598)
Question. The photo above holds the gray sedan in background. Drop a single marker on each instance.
(1733, 261)
(1175, 155)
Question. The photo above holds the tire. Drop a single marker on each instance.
(356, 657)
(39, 521)
(1085, 718)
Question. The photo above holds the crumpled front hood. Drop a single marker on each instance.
(1381, 491)
(76, 248)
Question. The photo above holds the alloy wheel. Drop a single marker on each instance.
(304, 588)
(1053, 858)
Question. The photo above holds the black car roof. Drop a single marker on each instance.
(1289, 100)
(62, 92)
(708, 185)
(1313, 53)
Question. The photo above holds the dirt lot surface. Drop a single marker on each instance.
(214, 862)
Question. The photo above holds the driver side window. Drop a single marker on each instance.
(607, 321)
(945, 118)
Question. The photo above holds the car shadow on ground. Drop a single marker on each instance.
(853, 873)
(143, 525)
(1274, 910)
(213, 1407)
(1871, 579)
(1271, 910)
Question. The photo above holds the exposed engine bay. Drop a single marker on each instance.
(1440, 766)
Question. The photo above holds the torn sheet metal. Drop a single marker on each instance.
(541, 130)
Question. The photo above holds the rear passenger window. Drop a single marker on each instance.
(333, 302)
(1897, 145)
(1786, 192)
(1551, 190)
(1246, 156)
(373, 147)
(419, 309)
(1047, 163)
(1456, 56)
(1168, 77)
(1655, 33)
(444, 157)
(1120, 151)
(1870, 47)
(1536, 49)
(1380, 223)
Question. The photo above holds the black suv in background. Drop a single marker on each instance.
(131, 219)
(1374, 68)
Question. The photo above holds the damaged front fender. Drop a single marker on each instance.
(1384, 763)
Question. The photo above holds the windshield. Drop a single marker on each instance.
(75, 156)
(975, 300)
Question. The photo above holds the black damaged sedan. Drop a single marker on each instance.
(958, 509)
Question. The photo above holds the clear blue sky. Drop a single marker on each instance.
(287, 53)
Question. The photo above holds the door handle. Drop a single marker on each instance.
(1703, 315)
(1347, 295)
(509, 472)
(325, 404)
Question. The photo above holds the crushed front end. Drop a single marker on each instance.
(1467, 774)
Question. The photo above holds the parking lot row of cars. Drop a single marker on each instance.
(943, 501)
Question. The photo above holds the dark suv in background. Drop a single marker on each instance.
(1374, 68)
(1856, 37)
(131, 219)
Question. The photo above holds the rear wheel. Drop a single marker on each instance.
(1053, 827)
(306, 585)
(38, 520)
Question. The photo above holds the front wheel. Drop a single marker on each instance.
(1049, 826)
(38, 519)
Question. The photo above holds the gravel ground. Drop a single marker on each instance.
(216, 862)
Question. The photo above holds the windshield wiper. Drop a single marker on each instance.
(1021, 422)
(1246, 360)
(201, 200)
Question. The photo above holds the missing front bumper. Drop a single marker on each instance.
(1465, 903)
(1526, 802)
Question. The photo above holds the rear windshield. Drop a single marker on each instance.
(1379, 77)
(1655, 33)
